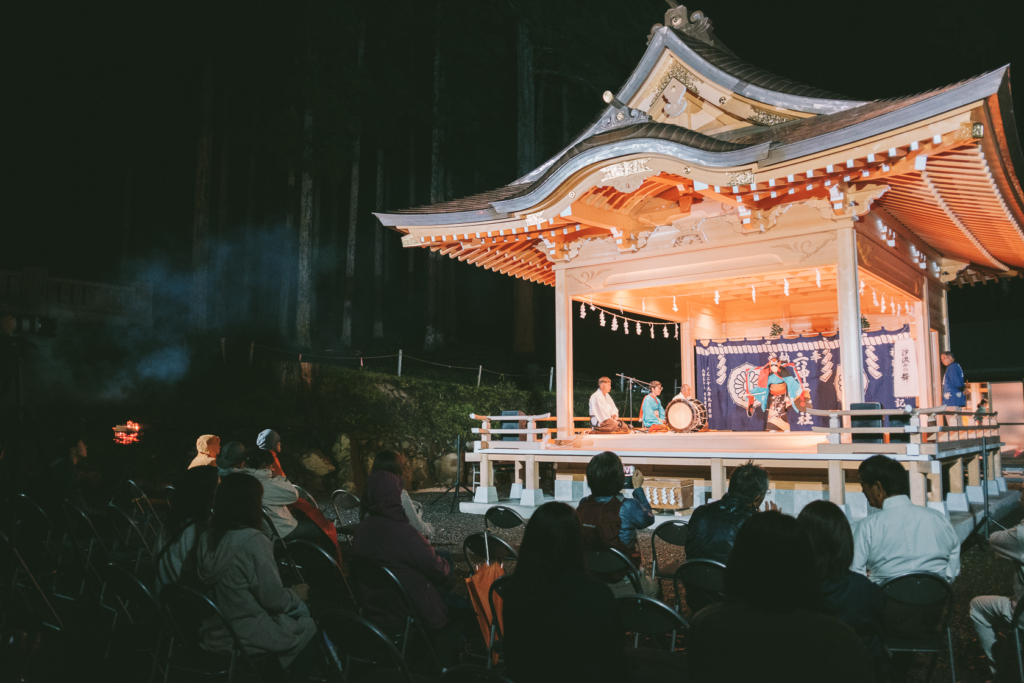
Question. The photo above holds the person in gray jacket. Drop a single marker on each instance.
(235, 562)
(278, 494)
(992, 612)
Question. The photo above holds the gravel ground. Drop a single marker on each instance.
(982, 573)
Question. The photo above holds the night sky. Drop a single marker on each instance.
(98, 92)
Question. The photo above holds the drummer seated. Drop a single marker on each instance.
(651, 413)
(684, 392)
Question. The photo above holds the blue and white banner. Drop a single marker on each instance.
(732, 377)
(735, 379)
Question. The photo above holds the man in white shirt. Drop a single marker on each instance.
(604, 414)
(684, 392)
(992, 612)
(903, 538)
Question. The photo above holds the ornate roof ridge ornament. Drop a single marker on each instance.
(619, 114)
(694, 25)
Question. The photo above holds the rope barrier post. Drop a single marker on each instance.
(399, 362)
(551, 379)
(252, 349)
(984, 480)
(479, 374)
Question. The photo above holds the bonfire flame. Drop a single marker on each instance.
(127, 433)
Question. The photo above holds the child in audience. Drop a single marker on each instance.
(560, 624)
(236, 564)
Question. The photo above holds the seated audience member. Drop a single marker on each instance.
(64, 470)
(992, 612)
(903, 538)
(713, 527)
(390, 461)
(270, 441)
(278, 494)
(772, 584)
(848, 596)
(207, 449)
(188, 519)
(610, 520)
(578, 635)
(236, 563)
(231, 459)
(385, 536)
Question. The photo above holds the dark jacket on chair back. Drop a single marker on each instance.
(386, 537)
(713, 529)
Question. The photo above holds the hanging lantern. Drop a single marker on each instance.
(674, 307)
(785, 286)
(602, 318)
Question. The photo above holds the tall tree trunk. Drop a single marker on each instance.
(220, 275)
(434, 337)
(347, 307)
(250, 281)
(378, 254)
(126, 217)
(565, 114)
(303, 306)
(523, 338)
(201, 215)
(410, 253)
(284, 300)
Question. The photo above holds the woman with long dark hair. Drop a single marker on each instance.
(850, 597)
(560, 624)
(236, 563)
(769, 626)
(189, 517)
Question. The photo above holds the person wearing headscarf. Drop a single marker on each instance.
(207, 449)
(270, 441)
(231, 458)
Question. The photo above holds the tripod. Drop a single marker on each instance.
(458, 479)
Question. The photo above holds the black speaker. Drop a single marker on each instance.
(866, 421)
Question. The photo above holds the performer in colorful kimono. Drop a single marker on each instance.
(651, 413)
(776, 389)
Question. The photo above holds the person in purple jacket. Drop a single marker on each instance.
(385, 536)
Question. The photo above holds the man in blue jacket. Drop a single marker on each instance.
(954, 388)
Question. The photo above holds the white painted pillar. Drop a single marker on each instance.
(945, 320)
(686, 351)
(563, 355)
(922, 348)
(848, 284)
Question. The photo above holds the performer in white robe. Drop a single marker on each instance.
(604, 414)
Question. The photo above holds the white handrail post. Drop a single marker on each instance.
(399, 362)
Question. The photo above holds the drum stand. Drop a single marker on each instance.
(458, 479)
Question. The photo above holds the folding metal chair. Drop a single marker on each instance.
(129, 537)
(926, 602)
(281, 552)
(304, 495)
(645, 615)
(362, 648)
(343, 500)
(327, 583)
(470, 673)
(16, 577)
(673, 533)
(703, 582)
(188, 611)
(613, 561)
(491, 548)
(134, 605)
(378, 578)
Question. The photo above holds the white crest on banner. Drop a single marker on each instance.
(826, 365)
(741, 377)
(871, 359)
(721, 370)
(839, 383)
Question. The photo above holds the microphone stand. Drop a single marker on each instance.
(632, 381)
